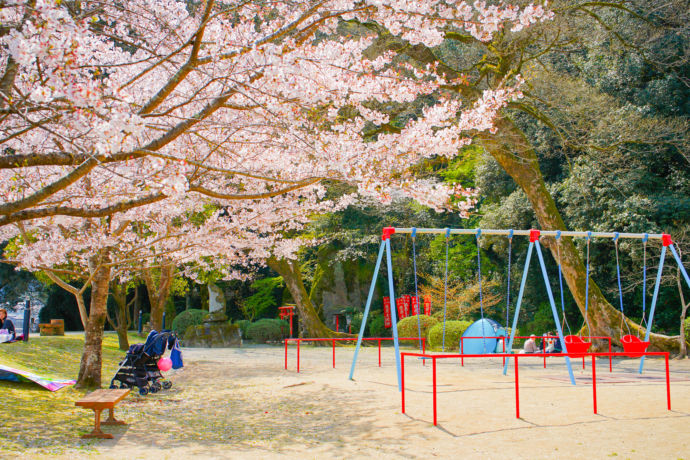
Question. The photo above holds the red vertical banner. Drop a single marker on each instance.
(427, 305)
(387, 312)
(415, 305)
(408, 300)
(400, 305)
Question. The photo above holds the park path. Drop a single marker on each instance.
(241, 403)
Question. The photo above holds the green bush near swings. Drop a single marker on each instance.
(454, 330)
(407, 327)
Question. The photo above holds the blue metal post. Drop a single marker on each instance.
(554, 311)
(394, 315)
(139, 327)
(26, 325)
(654, 298)
(517, 305)
(680, 264)
(366, 308)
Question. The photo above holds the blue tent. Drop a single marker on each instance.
(482, 328)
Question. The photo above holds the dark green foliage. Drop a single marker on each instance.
(62, 305)
(377, 327)
(243, 324)
(268, 330)
(191, 317)
(268, 293)
(454, 330)
(687, 330)
(407, 327)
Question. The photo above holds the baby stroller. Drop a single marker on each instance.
(140, 366)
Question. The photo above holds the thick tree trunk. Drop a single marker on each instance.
(158, 292)
(310, 323)
(515, 154)
(91, 359)
(123, 319)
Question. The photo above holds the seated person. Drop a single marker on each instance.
(557, 346)
(6, 323)
(530, 345)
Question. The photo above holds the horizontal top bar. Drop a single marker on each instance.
(540, 355)
(473, 231)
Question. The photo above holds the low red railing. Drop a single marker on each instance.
(517, 358)
(299, 340)
(462, 346)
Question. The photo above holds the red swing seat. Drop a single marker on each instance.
(576, 346)
(633, 346)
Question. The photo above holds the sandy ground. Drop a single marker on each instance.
(241, 403)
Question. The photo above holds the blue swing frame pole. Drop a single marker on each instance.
(554, 311)
(367, 307)
(657, 283)
(518, 304)
(394, 317)
(680, 264)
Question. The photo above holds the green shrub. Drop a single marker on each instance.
(407, 327)
(377, 327)
(454, 330)
(243, 324)
(268, 330)
(191, 317)
(687, 330)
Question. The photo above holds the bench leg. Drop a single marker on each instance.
(97, 433)
(111, 419)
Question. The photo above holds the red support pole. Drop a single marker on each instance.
(298, 341)
(379, 352)
(668, 385)
(504, 350)
(402, 381)
(462, 351)
(594, 383)
(583, 362)
(544, 356)
(433, 363)
(333, 353)
(337, 324)
(610, 357)
(286, 342)
(517, 389)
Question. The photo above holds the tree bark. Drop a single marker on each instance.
(310, 323)
(516, 156)
(158, 292)
(123, 318)
(91, 359)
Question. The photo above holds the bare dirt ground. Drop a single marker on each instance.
(241, 403)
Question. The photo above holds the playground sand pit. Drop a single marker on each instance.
(242, 403)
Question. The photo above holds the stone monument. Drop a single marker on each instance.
(216, 332)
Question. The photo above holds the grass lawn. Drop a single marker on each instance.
(35, 417)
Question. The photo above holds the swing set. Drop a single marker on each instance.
(572, 345)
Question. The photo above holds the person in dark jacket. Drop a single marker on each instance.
(6, 323)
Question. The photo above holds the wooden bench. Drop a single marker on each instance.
(56, 327)
(100, 400)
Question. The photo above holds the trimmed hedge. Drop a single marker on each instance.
(407, 327)
(377, 327)
(191, 317)
(268, 330)
(454, 330)
(243, 324)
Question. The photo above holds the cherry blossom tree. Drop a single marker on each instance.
(116, 113)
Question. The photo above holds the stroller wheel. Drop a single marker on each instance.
(143, 391)
(123, 386)
(153, 389)
(167, 385)
(113, 386)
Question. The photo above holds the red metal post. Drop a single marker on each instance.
(402, 380)
(462, 351)
(298, 341)
(517, 389)
(583, 362)
(379, 352)
(594, 382)
(504, 350)
(337, 324)
(610, 357)
(668, 385)
(544, 352)
(286, 353)
(433, 363)
(333, 353)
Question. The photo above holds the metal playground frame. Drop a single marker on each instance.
(534, 236)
